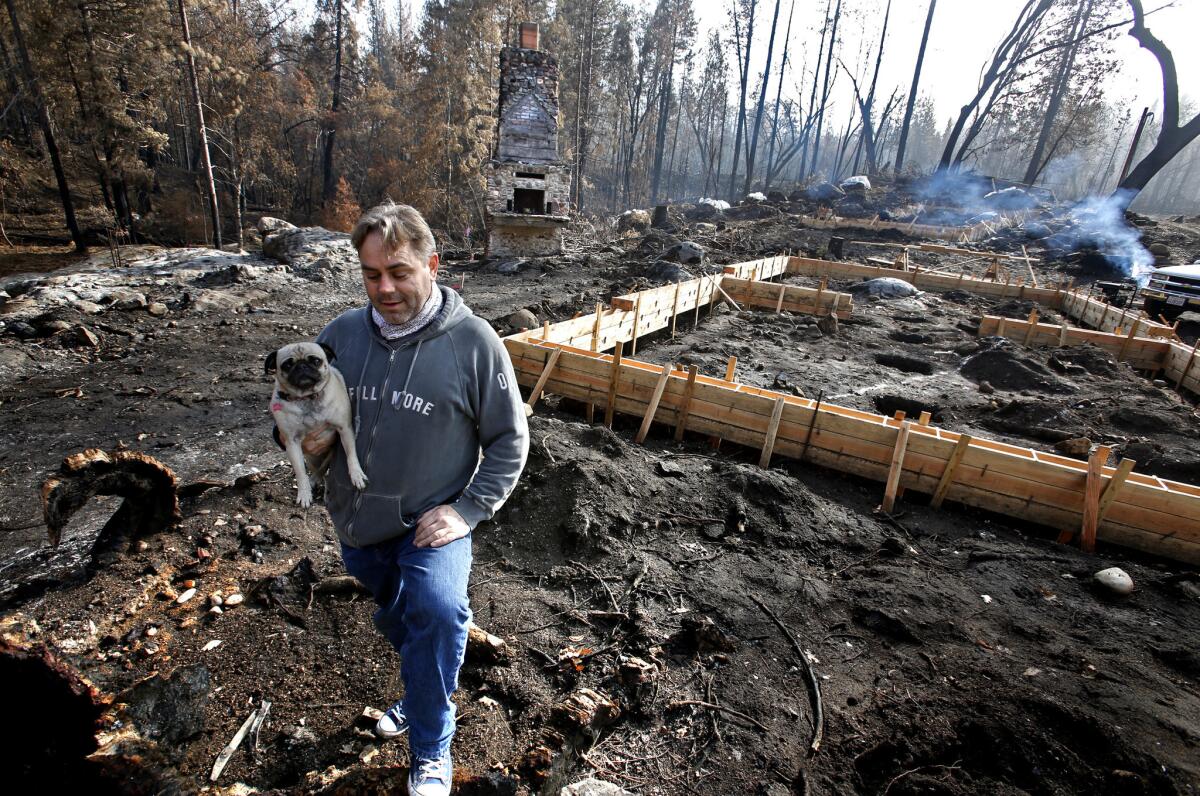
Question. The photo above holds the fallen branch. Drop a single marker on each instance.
(713, 706)
(227, 752)
(811, 677)
(585, 568)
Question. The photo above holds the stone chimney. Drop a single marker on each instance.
(528, 185)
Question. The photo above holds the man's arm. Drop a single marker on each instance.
(503, 438)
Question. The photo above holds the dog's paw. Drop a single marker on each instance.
(304, 498)
(358, 478)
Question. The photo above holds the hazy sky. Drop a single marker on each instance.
(961, 42)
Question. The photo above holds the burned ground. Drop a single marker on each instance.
(956, 651)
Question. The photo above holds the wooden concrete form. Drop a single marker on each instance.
(958, 234)
(1073, 303)
(1140, 352)
(1149, 513)
(777, 297)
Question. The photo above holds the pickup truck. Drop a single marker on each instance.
(1172, 290)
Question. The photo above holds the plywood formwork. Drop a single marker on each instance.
(1141, 353)
(1138, 511)
(1148, 513)
(1073, 303)
(788, 298)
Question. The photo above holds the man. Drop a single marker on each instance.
(432, 388)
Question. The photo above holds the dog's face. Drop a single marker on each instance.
(300, 367)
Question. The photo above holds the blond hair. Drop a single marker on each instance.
(397, 224)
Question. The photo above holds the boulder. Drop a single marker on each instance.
(522, 319)
(776, 196)
(633, 220)
(884, 287)
(268, 224)
(129, 300)
(87, 307)
(593, 787)
(858, 184)
(685, 252)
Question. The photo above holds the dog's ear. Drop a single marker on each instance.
(269, 366)
(329, 352)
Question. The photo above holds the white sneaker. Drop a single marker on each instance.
(430, 777)
(393, 722)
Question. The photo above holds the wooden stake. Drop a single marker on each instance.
(1029, 263)
(779, 301)
(596, 327)
(1033, 320)
(772, 431)
(675, 311)
(893, 479)
(637, 316)
(1091, 498)
(613, 379)
(726, 297)
(1124, 468)
(1128, 339)
(923, 420)
(939, 494)
(653, 406)
(542, 379)
(817, 300)
(681, 421)
(1062, 335)
(1191, 359)
(1000, 327)
(546, 332)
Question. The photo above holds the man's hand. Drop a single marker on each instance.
(440, 526)
(316, 442)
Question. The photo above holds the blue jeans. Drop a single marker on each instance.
(423, 612)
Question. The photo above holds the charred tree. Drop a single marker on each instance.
(328, 183)
(198, 107)
(912, 92)
(1172, 138)
(787, 38)
(837, 15)
(743, 55)
(752, 152)
(1062, 80)
(33, 86)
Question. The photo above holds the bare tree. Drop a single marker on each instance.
(1172, 138)
(752, 151)
(43, 114)
(1058, 90)
(328, 183)
(198, 108)
(912, 92)
(743, 55)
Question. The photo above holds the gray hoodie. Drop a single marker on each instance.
(425, 408)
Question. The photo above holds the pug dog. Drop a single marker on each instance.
(310, 394)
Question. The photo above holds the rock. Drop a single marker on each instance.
(986, 387)
(885, 287)
(633, 220)
(594, 787)
(701, 211)
(685, 252)
(268, 224)
(1160, 249)
(87, 307)
(967, 348)
(234, 599)
(21, 330)
(509, 266)
(522, 319)
(1114, 580)
(1036, 231)
(823, 192)
(130, 300)
(187, 595)
(79, 337)
(663, 271)
(856, 184)
(157, 309)
(1077, 447)
(776, 196)
(216, 301)
(50, 327)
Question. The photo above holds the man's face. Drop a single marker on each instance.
(397, 281)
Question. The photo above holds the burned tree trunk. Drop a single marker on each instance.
(752, 152)
(328, 184)
(1172, 138)
(744, 77)
(912, 92)
(35, 92)
(198, 106)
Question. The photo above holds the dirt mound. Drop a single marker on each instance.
(1005, 369)
(1087, 359)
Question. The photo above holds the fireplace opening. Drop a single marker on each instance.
(529, 201)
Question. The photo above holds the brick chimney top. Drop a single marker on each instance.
(529, 35)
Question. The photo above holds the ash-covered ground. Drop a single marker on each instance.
(956, 651)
